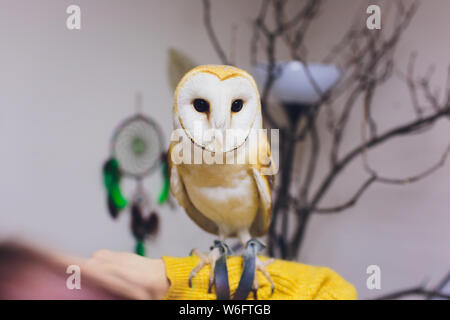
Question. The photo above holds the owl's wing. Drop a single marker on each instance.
(264, 183)
(179, 191)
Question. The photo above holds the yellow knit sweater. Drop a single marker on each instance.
(292, 281)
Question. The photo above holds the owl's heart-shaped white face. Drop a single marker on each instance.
(217, 114)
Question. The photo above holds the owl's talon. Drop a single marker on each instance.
(261, 266)
(255, 294)
(205, 259)
(211, 275)
(210, 285)
(255, 286)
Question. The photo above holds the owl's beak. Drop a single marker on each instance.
(219, 142)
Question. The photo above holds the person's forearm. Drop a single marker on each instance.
(128, 275)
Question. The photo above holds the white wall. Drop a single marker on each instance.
(62, 92)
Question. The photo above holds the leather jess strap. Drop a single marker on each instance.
(248, 272)
(251, 250)
(221, 272)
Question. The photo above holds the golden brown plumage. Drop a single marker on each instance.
(227, 197)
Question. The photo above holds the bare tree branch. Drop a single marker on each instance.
(413, 291)
(314, 155)
(352, 200)
(405, 129)
(412, 86)
(212, 36)
(366, 58)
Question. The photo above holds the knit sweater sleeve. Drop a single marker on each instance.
(292, 281)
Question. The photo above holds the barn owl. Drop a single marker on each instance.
(231, 196)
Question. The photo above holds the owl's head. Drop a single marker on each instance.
(217, 106)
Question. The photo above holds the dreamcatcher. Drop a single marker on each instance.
(136, 151)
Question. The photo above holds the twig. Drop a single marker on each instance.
(413, 291)
(350, 202)
(407, 128)
(234, 28)
(212, 36)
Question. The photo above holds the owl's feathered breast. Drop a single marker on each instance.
(225, 194)
(221, 198)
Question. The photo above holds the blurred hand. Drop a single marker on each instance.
(27, 272)
(127, 274)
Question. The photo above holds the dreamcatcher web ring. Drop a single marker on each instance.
(143, 137)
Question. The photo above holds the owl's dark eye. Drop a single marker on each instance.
(201, 105)
(237, 104)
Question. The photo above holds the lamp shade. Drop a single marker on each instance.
(292, 84)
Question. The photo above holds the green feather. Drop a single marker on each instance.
(165, 191)
(140, 248)
(116, 195)
(111, 179)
